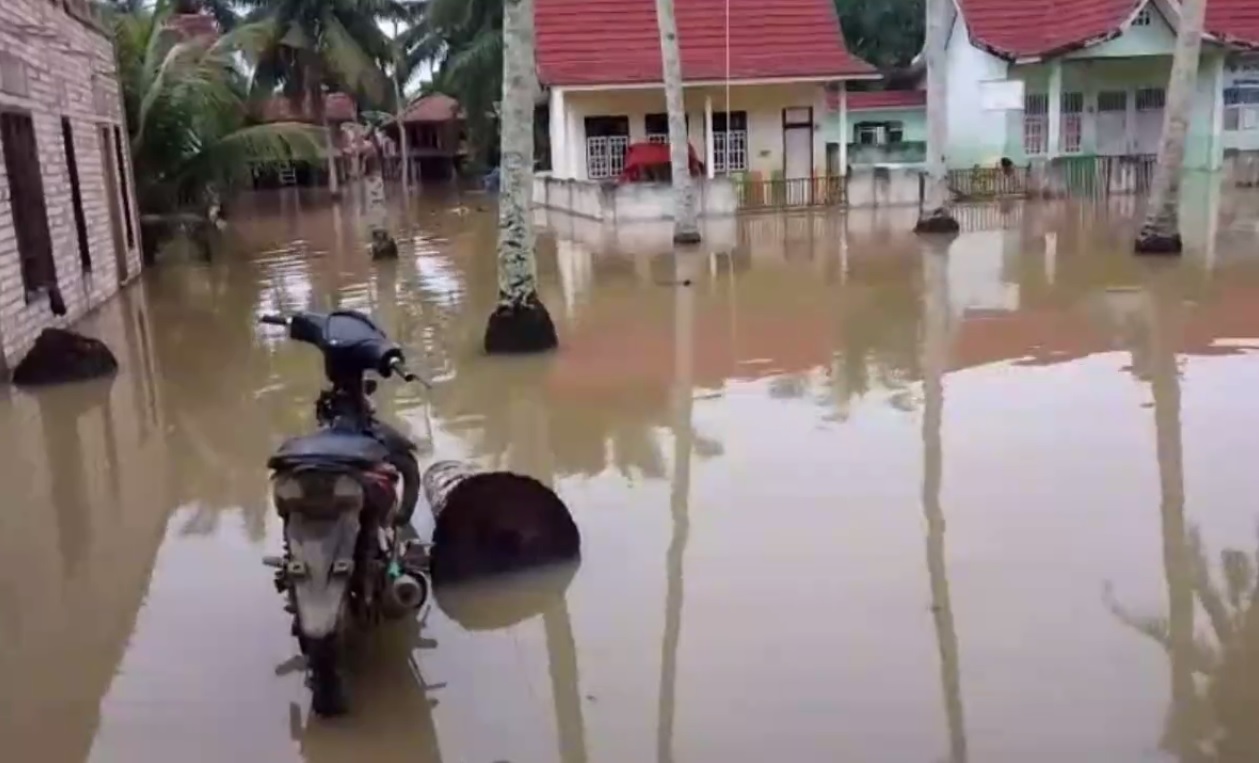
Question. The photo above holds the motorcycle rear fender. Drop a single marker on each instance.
(320, 565)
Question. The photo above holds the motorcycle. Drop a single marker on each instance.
(345, 494)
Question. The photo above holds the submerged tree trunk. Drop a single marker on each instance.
(685, 224)
(936, 215)
(520, 323)
(1160, 233)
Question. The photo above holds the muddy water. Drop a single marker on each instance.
(842, 498)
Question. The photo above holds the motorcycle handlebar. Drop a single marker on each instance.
(398, 366)
(274, 320)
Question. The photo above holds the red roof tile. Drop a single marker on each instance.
(437, 107)
(1234, 20)
(886, 99)
(338, 107)
(607, 42)
(1013, 28)
(191, 25)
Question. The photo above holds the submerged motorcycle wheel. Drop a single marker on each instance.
(327, 684)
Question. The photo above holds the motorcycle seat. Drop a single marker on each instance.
(331, 447)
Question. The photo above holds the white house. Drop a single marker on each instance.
(756, 92)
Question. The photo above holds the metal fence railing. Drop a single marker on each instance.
(790, 193)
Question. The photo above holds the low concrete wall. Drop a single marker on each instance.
(884, 186)
(718, 234)
(630, 202)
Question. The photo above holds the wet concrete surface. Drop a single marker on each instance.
(843, 497)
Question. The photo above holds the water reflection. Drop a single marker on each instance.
(1206, 721)
(773, 404)
(936, 340)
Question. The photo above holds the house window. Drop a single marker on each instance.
(878, 133)
(26, 200)
(730, 141)
(658, 127)
(1112, 100)
(1035, 124)
(1144, 18)
(607, 138)
(1241, 108)
(1151, 99)
(76, 194)
(1072, 122)
(126, 195)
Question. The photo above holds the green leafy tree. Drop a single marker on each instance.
(888, 34)
(185, 103)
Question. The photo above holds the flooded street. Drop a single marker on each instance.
(842, 496)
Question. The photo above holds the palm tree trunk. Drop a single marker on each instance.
(679, 496)
(1160, 234)
(936, 215)
(935, 361)
(685, 224)
(334, 182)
(402, 128)
(383, 244)
(520, 323)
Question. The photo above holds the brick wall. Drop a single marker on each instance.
(53, 65)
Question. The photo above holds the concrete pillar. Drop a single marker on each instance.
(1055, 108)
(560, 154)
(559, 135)
(575, 136)
(709, 152)
(843, 128)
(1215, 161)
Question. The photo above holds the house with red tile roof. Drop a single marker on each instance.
(756, 84)
(1034, 81)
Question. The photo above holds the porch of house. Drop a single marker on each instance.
(1110, 109)
(767, 144)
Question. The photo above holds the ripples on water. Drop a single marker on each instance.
(842, 498)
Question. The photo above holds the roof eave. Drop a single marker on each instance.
(872, 74)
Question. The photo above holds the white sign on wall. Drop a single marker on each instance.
(1001, 95)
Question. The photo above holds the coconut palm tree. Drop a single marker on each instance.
(685, 224)
(1160, 233)
(185, 103)
(317, 45)
(520, 323)
(936, 216)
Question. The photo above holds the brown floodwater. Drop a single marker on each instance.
(842, 497)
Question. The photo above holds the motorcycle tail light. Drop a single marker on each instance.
(317, 494)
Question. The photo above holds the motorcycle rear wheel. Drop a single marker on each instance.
(328, 696)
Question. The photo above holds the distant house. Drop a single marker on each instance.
(764, 92)
(1035, 80)
(436, 137)
(339, 109)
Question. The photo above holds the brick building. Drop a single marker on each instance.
(69, 233)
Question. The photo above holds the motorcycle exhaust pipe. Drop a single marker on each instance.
(406, 592)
